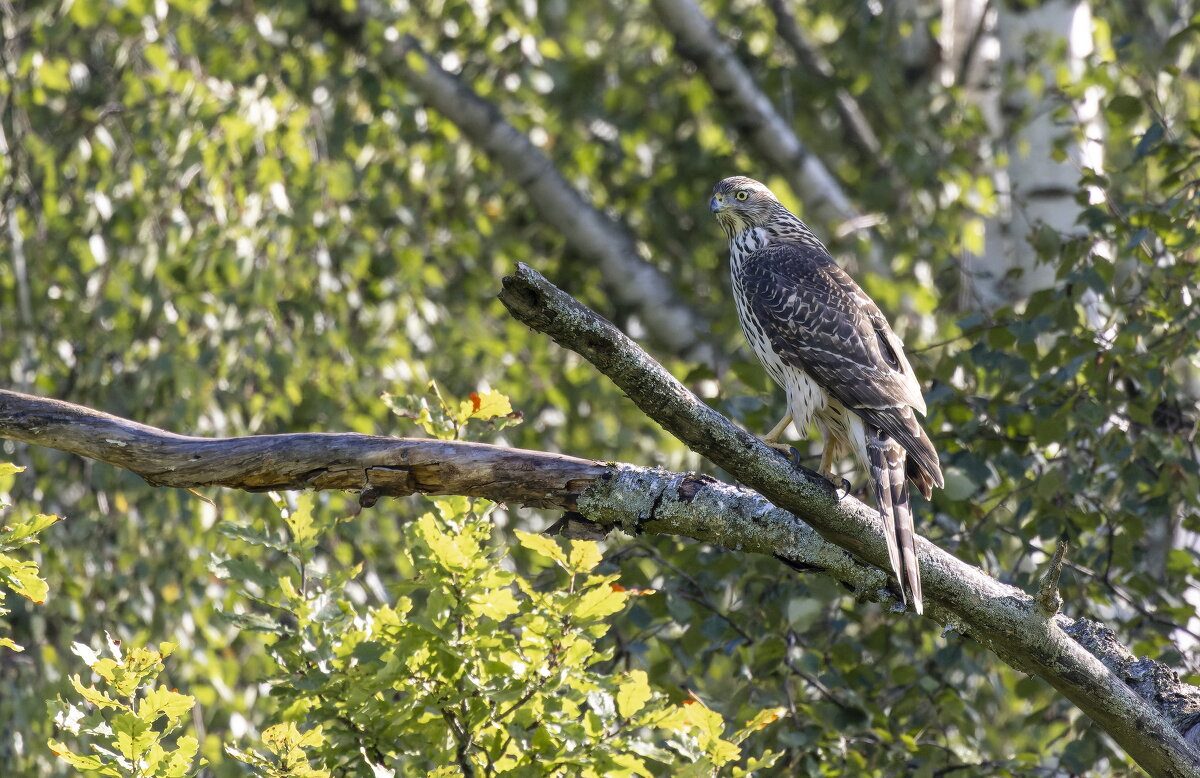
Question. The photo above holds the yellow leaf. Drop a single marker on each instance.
(765, 717)
(488, 405)
(762, 719)
(179, 762)
(706, 725)
(132, 736)
(575, 651)
(497, 604)
(300, 521)
(107, 668)
(85, 763)
(598, 602)
(633, 693)
(22, 578)
(161, 701)
(445, 548)
(19, 530)
(585, 555)
(312, 738)
(706, 720)
(280, 737)
(543, 545)
(94, 695)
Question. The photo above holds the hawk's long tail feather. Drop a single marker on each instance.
(886, 460)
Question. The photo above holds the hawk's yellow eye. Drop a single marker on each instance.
(741, 195)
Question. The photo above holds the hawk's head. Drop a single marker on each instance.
(740, 203)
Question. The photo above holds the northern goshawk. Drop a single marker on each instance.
(826, 343)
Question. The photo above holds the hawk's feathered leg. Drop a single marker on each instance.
(887, 462)
(772, 437)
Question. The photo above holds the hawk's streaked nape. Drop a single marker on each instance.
(826, 343)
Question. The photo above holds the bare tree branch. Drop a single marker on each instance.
(999, 616)
(1140, 703)
(640, 501)
(858, 129)
(753, 115)
(628, 277)
(378, 465)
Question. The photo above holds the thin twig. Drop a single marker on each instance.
(1048, 598)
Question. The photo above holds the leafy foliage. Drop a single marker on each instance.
(288, 755)
(221, 219)
(128, 726)
(465, 667)
(19, 576)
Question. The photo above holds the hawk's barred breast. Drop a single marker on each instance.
(804, 396)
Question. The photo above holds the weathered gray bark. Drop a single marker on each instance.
(634, 499)
(370, 464)
(1003, 618)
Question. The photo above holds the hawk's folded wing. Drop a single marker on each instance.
(819, 321)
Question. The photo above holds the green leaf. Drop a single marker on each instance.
(53, 73)
(447, 550)
(1126, 107)
(86, 13)
(598, 602)
(484, 406)
(16, 531)
(180, 760)
(497, 604)
(22, 578)
(761, 720)
(279, 738)
(94, 695)
(300, 521)
(90, 764)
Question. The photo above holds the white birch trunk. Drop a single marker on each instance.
(991, 46)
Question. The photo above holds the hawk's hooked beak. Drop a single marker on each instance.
(716, 203)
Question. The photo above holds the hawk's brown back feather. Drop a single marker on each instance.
(819, 321)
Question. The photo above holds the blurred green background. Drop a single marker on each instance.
(235, 217)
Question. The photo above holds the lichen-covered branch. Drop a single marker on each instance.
(635, 499)
(999, 616)
(1140, 702)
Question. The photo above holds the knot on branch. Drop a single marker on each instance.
(1153, 681)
